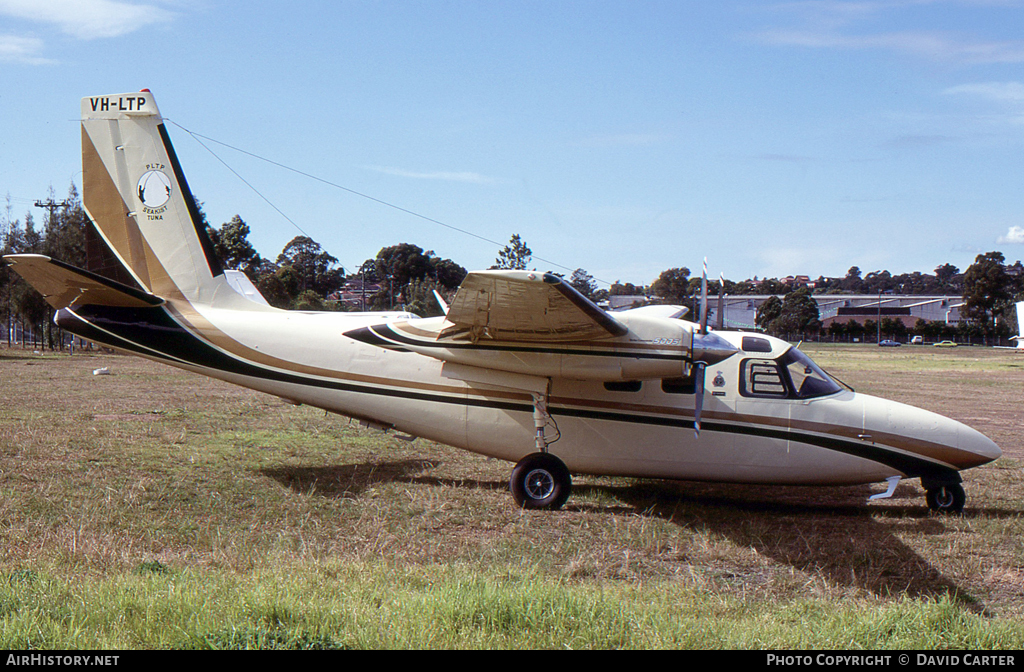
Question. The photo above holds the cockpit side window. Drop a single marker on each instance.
(762, 378)
(792, 375)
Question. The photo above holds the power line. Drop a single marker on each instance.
(197, 136)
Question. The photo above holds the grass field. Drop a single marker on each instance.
(153, 508)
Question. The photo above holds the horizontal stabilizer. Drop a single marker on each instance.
(64, 286)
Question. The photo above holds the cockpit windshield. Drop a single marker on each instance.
(807, 378)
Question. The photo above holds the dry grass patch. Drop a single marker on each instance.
(100, 475)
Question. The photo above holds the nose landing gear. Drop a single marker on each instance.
(946, 498)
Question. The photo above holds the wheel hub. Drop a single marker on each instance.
(539, 483)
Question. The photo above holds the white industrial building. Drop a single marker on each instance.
(740, 311)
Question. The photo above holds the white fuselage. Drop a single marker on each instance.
(645, 432)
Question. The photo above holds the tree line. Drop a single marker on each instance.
(304, 276)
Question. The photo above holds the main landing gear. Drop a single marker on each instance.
(540, 480)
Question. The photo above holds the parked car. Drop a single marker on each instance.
(917, 340)
(945, 344)
(889, 344)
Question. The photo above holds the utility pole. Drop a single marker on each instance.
(53, 207)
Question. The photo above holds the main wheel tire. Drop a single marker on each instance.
(946, 498)
(540, 481)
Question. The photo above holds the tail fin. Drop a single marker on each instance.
(135, 192)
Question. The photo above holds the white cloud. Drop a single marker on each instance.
(87, 19)
(447, 176)
(1014, 236)
(1007, 96)
(829, 24)
(15, 49)
(624, 140)
(931, 45)
(999, 91)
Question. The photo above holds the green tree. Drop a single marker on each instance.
(799, 314)
(870, 330)
(583, 282)
(448, 274)
(837, 330)
(768, 312)
(420, 297)
(398, 266)
(948, 279)
(673, 285)
(893, 328)
(626, 289)
(855, 329)
(773, 286)
(313, 267)
(516, 255)
(986, 290)
(231, 243)
(852, 282)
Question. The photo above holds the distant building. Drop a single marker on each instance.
(740, 311)
(621, 301)
(797, 281)
(355, 293)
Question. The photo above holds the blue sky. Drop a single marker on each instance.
(626, 137)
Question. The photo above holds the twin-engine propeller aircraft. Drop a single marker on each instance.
(522, 367)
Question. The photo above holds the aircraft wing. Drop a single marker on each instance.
(63, 285)
(526, 306)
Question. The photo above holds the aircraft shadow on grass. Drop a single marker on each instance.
(835, 536)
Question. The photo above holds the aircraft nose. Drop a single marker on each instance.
(973, 441)
(929, 434)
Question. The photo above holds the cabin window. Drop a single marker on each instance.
(686, 385)
(624, 386)
(756, 344)
(762, 378)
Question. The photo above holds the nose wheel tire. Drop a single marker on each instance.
(946, 498)
(540, 481)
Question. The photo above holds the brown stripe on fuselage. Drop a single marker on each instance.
(196, 322)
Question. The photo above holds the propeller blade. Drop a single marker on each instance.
(698, 396)
(720, 322)
(704, 299)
